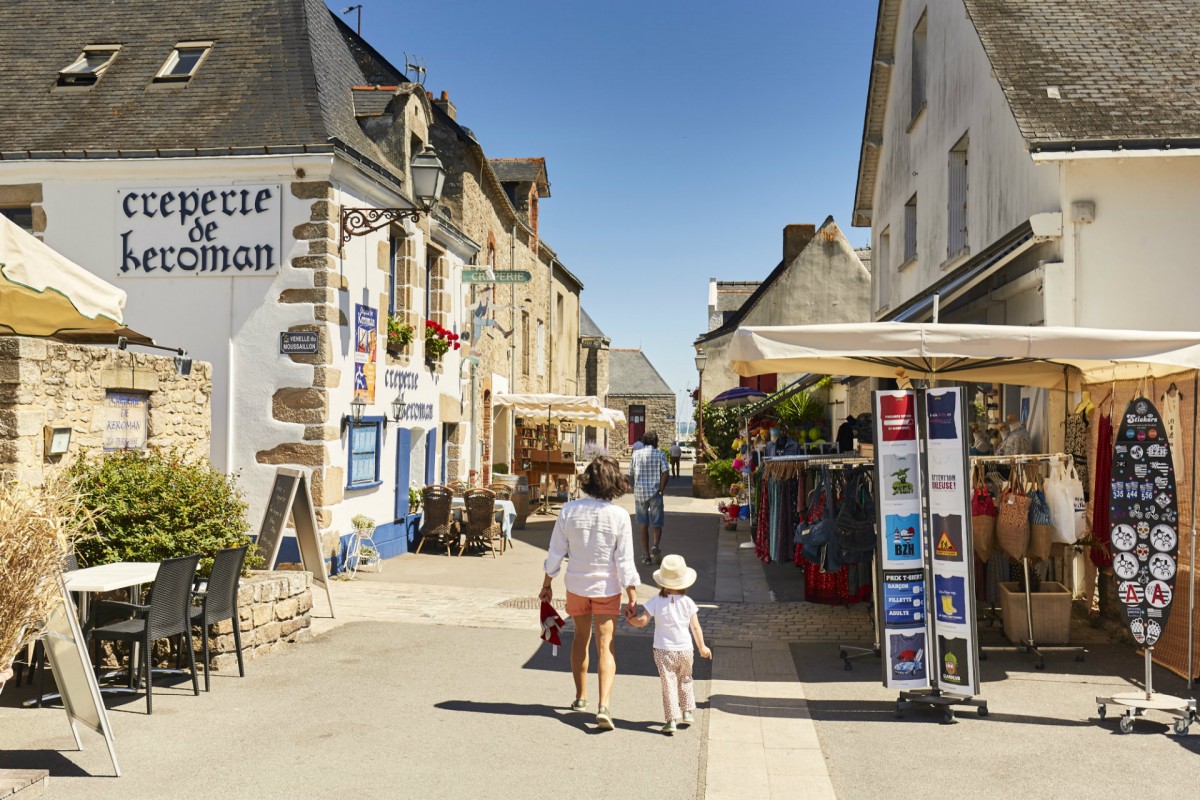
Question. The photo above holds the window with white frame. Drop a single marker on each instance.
(365, 436)
(956, 216)
(918, 57)
(882, 263)
(910, 229)
(91, 64)
(183, 62)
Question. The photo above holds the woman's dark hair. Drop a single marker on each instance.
(602, 479)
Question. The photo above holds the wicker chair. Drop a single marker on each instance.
(501, 492)
(437, 522)
(458, 488)
(479, 521)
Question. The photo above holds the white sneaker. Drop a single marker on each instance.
(688, 719)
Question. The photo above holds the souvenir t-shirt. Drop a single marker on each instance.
(904, 537)
(951, 598)
(899, 476)
(942, 416)
(897, 418)
(672, 620)
(907, 656)
(955, 663)
(947, 537)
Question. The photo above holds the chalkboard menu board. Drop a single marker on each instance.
(290, 500)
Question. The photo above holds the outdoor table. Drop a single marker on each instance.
(506, 513)
(106, 578)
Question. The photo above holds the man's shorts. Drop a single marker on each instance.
(580, 606)
(649, 512)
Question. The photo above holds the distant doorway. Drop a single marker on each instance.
(637, 423)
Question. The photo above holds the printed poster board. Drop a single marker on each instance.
(290, 497)
(951, 555)
(66, 650)
(903, 609)
(366, 345)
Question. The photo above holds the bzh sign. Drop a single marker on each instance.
(227, 231)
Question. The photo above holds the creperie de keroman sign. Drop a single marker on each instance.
(199, 230)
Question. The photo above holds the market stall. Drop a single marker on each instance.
(1114, 365)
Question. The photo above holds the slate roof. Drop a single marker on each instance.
(630, 374)
(588, 329)
(522, 170)
(1125, 71)
(278, 79)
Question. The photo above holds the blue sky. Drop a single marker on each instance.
(680, 137)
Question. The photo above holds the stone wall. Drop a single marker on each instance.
(274, 610)
(51, 384)
(659, 409)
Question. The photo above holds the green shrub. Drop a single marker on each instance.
(722, 473)
(499, 468)
(159, 504)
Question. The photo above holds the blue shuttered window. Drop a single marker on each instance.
(365, 440)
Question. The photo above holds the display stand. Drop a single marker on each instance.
(852, 652)
(1182, 709)
(1028, 645)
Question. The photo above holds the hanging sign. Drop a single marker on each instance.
(366, 346)
(951, 557)
(496, 276)
(1144, 518)
(903, 611)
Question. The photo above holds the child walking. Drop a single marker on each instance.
(675, 625)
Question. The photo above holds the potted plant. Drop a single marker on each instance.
(399, 335)
(362, 523)
(368, 557)
(414, 499)
(438, 341)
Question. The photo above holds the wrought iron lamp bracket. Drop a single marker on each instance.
(357, 221)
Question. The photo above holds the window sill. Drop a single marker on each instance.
(879, 312)
(916, 118)
(907, 264)
(956, 259)
(360, 486)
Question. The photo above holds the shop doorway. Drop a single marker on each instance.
(637, 423)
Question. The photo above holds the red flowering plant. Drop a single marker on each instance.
(439, 340)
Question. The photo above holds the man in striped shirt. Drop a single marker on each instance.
(648, 472)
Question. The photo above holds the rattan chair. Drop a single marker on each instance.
(168, 615)
(458, 488)
(479, 521)
(501, 492)
(219, 601)
(437, 521)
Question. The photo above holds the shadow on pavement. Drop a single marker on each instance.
(55, 762)
(580, 720)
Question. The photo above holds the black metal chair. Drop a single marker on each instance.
(219, 601)
(167, 615)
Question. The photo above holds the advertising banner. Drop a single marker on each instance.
(366, 345)
(1144, 515)
(955, 659)
(903, 610)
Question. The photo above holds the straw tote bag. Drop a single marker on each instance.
(983, 517)
(1012, 522)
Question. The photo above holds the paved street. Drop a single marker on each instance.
(432, 683)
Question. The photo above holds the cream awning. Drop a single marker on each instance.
(583, 410)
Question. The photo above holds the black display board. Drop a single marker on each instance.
(290, 498)
(1144, 515)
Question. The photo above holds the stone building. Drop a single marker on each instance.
(636, 389)
(211, 167)
(594, 356)
(94, 398)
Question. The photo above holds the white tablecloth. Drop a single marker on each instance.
(506, 513)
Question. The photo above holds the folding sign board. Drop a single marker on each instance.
(289, 496)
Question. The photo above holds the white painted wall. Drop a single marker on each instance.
(1004, 186)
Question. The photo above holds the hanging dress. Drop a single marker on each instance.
(1102, 496)
(1077, 446)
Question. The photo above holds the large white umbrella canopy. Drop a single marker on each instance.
(43, 293)
(1022, 355)
(584, 410)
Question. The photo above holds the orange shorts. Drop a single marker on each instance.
(580, 606)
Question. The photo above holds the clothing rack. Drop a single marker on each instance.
(1028, 646)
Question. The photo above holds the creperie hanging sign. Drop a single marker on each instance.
(199, 230)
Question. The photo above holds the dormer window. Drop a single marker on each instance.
(183, 62)
(90, 65)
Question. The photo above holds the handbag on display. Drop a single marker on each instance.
(817, 534)
(983, 517)
(1041, 529)
(856, 518)
(1068, 509)
(1012, 519)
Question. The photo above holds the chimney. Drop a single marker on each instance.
(444, 104)
(795, 238)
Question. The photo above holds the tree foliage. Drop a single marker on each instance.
(721, 427)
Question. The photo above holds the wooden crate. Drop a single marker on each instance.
(1051, 613)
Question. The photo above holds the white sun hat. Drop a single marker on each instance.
(674, 573)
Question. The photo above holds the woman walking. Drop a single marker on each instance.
(594, 535)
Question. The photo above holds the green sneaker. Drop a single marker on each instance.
(688, 719)
(669, 728)
(604, 719)
(579, 705)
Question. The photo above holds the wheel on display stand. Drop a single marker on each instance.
(1041, 664)
(1079, 656)
(1181, 726)
(1102, 710)
(847, 665)
(983, 710)
(1126, 723)
(947, 715)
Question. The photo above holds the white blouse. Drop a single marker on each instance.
(597, 540)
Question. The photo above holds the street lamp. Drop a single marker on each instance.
(428, 178)
(398, 406)
(701, 360)
(357, 408)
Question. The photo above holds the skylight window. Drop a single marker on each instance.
(183, 62)
(90, 65)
